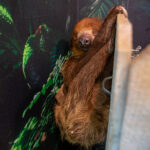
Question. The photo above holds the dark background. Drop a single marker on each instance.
(61, 16)
(55, 14)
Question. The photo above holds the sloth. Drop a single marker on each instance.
(82, 107)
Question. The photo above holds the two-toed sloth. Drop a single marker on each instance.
(82, 108)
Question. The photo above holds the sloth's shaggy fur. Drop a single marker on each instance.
(82, 107)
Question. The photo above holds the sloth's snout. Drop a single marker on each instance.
(85, 41)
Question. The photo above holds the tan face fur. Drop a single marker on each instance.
(83, 35)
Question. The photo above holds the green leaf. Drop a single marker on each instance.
(31, 104)
(15, 43)
(28, 50)
(103, 11)
(2, 51)
(17, 65)
(44, 40)
(5, 15)
(7, 44)
(15, 52)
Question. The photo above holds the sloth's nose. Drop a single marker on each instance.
(85, 41)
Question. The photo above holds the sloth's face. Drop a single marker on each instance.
(84, 34)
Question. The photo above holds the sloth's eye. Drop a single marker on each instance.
(94, 31)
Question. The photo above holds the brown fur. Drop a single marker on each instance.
(82, 107)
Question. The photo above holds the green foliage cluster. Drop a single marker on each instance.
(30, 137)
(10, 43)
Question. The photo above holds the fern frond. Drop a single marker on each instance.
(28, 50)
(5, 15)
